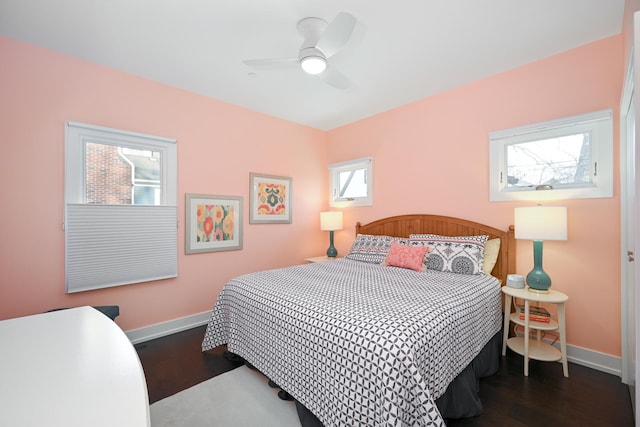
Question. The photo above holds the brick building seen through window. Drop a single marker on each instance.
(121, 176)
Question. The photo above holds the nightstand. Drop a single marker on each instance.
(319, 259)
(535, 348)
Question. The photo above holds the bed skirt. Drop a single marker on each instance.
(461, 399)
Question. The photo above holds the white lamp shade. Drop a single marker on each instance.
(331, 220)
(541, 223)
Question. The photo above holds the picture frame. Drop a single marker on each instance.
(213, 223)
(271, 199)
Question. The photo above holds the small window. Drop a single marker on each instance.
(560, 159)
(351, 183)
(120, 207)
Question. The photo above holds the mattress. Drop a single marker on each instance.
(358, 343)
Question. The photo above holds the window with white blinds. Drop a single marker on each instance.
(120, 207)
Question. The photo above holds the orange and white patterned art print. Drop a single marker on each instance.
(270, 199)
(214, 223)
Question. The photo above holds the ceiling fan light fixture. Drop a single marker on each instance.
(313, 64)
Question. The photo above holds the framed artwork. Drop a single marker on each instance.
(214, 223)
(271, 199)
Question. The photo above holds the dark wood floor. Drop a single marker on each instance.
(544, 399)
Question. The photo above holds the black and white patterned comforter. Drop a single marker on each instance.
(358, 344)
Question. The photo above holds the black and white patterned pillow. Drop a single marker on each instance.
(455, 254)
(371, 248)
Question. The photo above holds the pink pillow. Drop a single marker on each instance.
(406, 256)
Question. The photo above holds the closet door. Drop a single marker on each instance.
(631, 232)
(630, 223)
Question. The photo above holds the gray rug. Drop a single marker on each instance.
(239, 398)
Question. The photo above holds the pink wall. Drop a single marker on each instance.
(218, 145)
(432, 157)
(429, 157)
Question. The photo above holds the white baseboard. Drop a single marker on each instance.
(594, 359)
(579, 355)
(167, 328)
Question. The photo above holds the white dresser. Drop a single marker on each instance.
(70, 368)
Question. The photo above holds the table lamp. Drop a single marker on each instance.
(331, 221)
(539, 223)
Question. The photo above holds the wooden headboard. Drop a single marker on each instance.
(404, 225)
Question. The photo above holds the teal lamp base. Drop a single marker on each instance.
(537, 280)
(332, 252)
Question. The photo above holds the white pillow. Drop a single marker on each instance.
(454, 254)
(491, 252)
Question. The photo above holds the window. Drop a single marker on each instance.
(120, 207)
(351, 183)
(560, 159)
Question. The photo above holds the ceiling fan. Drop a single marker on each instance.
(321, 41)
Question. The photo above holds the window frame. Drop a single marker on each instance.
(598, 124)
(351, 165)
(78, 133)
(109, 245)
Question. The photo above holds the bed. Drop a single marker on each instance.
(361, 343)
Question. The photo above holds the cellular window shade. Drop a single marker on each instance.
(113, 245)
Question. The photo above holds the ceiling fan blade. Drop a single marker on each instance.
(272, 64)
(336, 34)
(335, 78)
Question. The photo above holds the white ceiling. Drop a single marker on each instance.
(401, 51)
